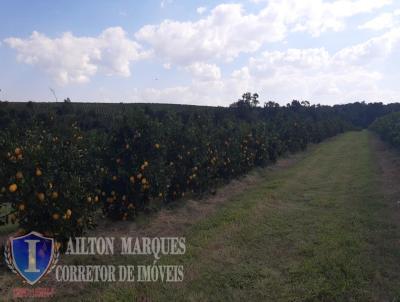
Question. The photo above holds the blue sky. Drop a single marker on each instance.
(200, 52)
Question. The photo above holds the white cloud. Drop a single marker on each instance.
(227, 31)
(224, 33)
(383, 21)
(198, 93)
(318, 16)
(349, 74)
(201, 10)
(71, 59)
(314, 74)
(204, 72)
(167, 66)
(302, 59)
(307, 74)
(374, 49)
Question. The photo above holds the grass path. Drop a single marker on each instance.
(323, 229)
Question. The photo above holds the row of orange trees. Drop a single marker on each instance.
(388, 128)
(62, 165)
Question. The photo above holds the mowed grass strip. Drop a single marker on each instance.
(310, 232)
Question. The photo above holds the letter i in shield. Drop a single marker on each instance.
(32, 255)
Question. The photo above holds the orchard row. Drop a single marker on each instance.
(64, 164)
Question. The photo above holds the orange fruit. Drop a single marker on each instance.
(21, 207)
(132, 179)
(54, 195)
(56, 216)
(40, 196)
(38, 172)
(69, 212)
(18, 151)
(157, 146)
(12, 188)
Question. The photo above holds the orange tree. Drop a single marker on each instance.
(131, 158)
(149, 159)
(5, 213)
(388, 128)
(49, 179)
(133, 167)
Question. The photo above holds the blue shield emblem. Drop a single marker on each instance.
(32, 255)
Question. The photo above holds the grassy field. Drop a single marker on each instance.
(322, 226)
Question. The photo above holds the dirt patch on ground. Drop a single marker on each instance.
(388, 161)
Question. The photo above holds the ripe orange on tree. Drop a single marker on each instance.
(13, 188)
(40, 196)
